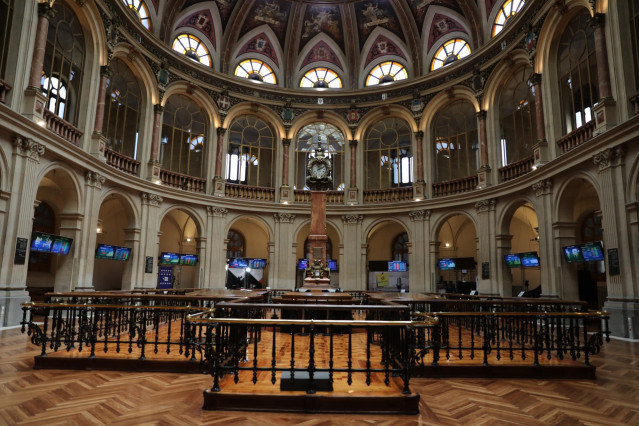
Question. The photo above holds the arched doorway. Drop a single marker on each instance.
(334, 254)
(247, 254)
(387, 254)
(180, 235)
(523, 229)
(457, 260)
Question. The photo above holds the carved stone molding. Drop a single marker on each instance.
(284, 217)
(151, 199)
(609, 157)
(94, 179)
(216, 211)
(419, 215)
(542, 187)
(221, 131)
(286, 142)
(483, 206)
(28, 147)
(352, 219)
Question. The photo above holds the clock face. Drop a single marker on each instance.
(319, 170)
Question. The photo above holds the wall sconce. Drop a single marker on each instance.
(99, 228)
(447, 245)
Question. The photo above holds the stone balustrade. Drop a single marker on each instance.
(4, 89)
(62, 128)
(302, 196)
(121, 162)
(516, 169)
(576, 137)
(180, 181)
(455, 186)
(389, 195)
(248, 192)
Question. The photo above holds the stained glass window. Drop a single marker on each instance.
(451, 51)
(254, 69)
(386, 72)
(506, 11)
(141, 10)
(321, 78)
(193, 48)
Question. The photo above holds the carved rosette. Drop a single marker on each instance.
(28, 147)
(214, 211)
(94, 179)
(352, 219)
(151, 199)
(609, 157)
(284, 217)
(419, 215)
(483, 206)
(542, 187)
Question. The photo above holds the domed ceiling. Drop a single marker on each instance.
(348, 37)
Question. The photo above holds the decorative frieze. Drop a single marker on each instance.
(419, 215)
(94, 179)
(214, 211)
(28, 147)
(284, 217)
(483, 206)
(151, 199)
(609, 157)
(542, 187)
(352, 219)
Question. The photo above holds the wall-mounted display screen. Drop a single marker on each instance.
(61, 245)
(41, 242)
(238, 262)
(512, 261)
(572, 254)
(446, 264)
(257, 263)
(332, 264)
(302, 264)
(169, 259)
(592, 252)
(529, 260)
(397, 266)
(104, 251)
(122, 253)
(188, 259)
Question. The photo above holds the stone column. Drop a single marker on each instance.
(419, 269)
(98, 140)
(418, 185)
(219, 159)
(486, 251)
(286, 194)
(605, 111)
(350, 275)
(549, 259)
(134, 267)
(502, 273)
(483, 174)
(200, 250)
(351, 196)
(565, 284)
(433, 257)
(68, 266)
(214, 256)
(19, 224)
(86, 244)
(154, 164)
(540, 149)
(149, 238)
(283, 265)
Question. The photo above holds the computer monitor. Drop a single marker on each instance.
(61, 245)
(529, 259)
(397, 266)
(169, 259)
(572, 254)
(238, 262)
(332, 264)
(122, 253)
(592, 252)
(188, 259)
(513, 260)
(302, 264)
(446, 264)
(41, 241)
(105, 251)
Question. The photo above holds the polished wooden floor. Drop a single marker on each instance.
(55, 397)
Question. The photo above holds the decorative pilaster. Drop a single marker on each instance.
(154, 164)
(419, 184)
(218, 180)
(540, 148)
(419, 274)
(215, 255)
(543, 187)
(284, 260)
(486, 250)
(353, 272)
(543, 205)
(483, 174)
(286, 194)
(352, 192)
(605, 110)
(150, 237)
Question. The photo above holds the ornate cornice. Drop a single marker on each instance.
(352, 219)
(214, 211)
(28, 147)
(284, 217)
(151, 199)
(609, 157)
(483, 206)
(542, 187)
(94, 179)
(419, 215)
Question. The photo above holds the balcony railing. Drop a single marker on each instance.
(634, 100)
(576, 137)
(514, 170)
(184, 182)
(121, 162)
(4, 89)
(390, 195)
(455, 186)
(332, 197)
(62, 128)
(248, 192)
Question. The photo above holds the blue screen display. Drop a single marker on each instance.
(257, 263)
(104, 251)
(302, 264)
(572, 254)
(512, 261)
(592, 252)
(446, 264)
(397, 266)
(169, 259)
(529, 260)
(41, 242)
(122, 253)
(332, 264)
(238, 262)
(61, 245)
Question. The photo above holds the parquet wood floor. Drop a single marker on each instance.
(55, 397)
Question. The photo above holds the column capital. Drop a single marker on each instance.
(221, 131)
(45, 10)
(481, 114)
(352, 143)
(535, 79)
(484, 206)
(284, 217)
(105, 71)
(352, 219)
(286, 142)
(28, 147)
(542, 187)
(419, 215)
(598, 20)
(158, 108)
(419, 135)
(149, 199)
(94, 179)
(609, 157)
(214, 211)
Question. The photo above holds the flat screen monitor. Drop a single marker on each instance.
(512, 261)
(397, 266)
(257, 263)
(122, 253)
(238, 262)
(41, 242)
(302, 264)
(572, 254)
(332, 264)
(529, 260)
(592, 252)
(61, 245)
(169, 259)
(446, 264)
(188, 259)
(104, 251)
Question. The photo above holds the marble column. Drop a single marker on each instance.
(153, 173)
(535, 80)
(218, 180)
(134, 267)
(419, 185)
(605, 112)
(549, 262)
(352, 194)
(105, 74)
(502, 273)
(68, 266)
(483, 174)
(349, 271)
(45, 13)
(286, 144)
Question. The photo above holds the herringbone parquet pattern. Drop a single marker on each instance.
(54, 397)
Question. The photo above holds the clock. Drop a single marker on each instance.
(319, 170)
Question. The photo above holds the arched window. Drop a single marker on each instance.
(517, 117)
(183, 136)
(43, 221)
(506, 11)
(235, 247)
(386, 72)
(193, 48)
(634, 29)
(451, 51)
(578, 79)
(64, 57)
(400, 248)
(328, 137)
(388, 156)
(455, 141)
(321, 78)
(6, 16)
(250, 155)
(122, 110)
(254, 69)
(141, 11)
